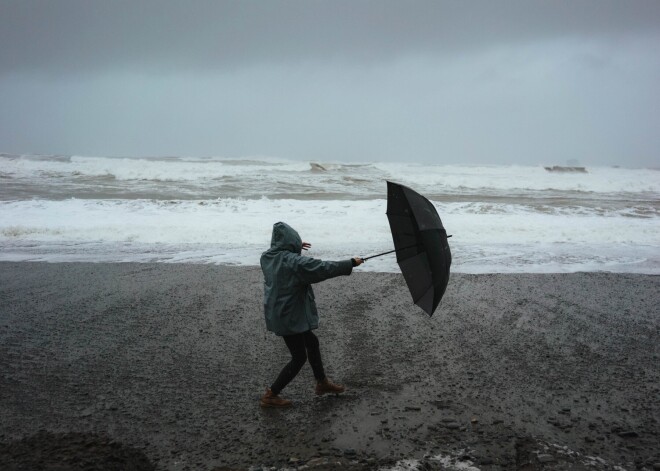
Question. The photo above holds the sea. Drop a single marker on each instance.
(503, 219)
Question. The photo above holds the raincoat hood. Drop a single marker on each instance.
(286, 238)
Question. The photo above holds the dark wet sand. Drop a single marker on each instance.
(169, 361)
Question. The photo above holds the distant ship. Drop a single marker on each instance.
(559, 168)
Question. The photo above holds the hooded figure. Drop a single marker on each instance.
(290, 309)
(289, 304)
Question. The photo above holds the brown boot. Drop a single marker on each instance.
(273, 400)
(325, 386)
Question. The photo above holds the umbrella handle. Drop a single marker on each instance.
(364, 259)
(385, 253)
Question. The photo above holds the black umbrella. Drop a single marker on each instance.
(421, 246)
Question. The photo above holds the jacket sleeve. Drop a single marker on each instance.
(312, 270)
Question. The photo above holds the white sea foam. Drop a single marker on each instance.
(335, 177)
(238, 221)
(448, 462)
(218, 210)
(155, 169)
(486, 237)
(438, 178)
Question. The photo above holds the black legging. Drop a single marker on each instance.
(302, 346)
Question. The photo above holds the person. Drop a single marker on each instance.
(290, 310)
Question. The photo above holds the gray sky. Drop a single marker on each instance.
(517, 81)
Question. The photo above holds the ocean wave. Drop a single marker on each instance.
(258, 173)
(216, 210)
(237, 221)
(440, 178)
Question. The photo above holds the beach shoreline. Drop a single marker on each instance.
(552, 371)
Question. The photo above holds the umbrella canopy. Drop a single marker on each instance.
(421, 246)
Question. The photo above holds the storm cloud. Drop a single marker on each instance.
(438, 81)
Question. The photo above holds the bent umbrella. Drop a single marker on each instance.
(421, 246)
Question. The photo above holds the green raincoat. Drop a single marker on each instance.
(289, 304)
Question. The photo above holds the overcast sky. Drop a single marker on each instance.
(503, 82)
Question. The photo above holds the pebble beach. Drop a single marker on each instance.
(161, 366)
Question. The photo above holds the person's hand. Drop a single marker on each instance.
(306, 245)
(357, 261)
